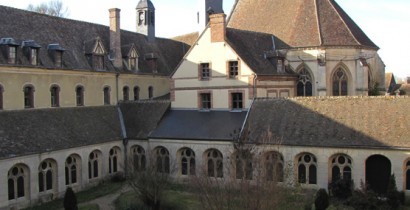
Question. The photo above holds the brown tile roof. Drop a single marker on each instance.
(404, 89)
(300, 23)
(188, 39)
(76, 37)
(365, 122)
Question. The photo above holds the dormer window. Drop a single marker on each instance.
(34, 56)
(56, 53)
(30, 49)
(12, 54)
(96, 54)
(11, 49)
(133, 59)
(98, 62)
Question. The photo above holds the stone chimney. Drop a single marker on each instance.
(115, 38)
(218, 27)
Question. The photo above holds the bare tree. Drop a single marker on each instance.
(53, 7)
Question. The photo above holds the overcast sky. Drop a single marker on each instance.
(386, 22)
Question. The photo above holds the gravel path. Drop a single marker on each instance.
(107, 202)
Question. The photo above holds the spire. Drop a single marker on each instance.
(146, 19)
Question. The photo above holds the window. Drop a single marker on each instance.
(244, 166)
(113, 160)
(55, 96)
(133, 63)
(162, 160)
(187, 162)
(233, 69)
(72, 164)
(340, 83)
(304, 86)
(28, 96)
(150, 92)
(18, 178)
(98, 62)
(58, 58)
(214, 162)
(126, 93)
(408, 175)
(204, 71)
(56, 53)
(307, 169)
(274, 166)
(12, 54)
(205, 101)
(136, 93)
(79, 95)
(341, 167)
(1, 97)
(47, 176)
(107, 100)
(237, 100)
(34, 56)
(138, 158)
(93, 165)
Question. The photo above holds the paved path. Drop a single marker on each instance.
(107, 202)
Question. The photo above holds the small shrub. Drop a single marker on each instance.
(393, 196)
(321, 200)
(341, 188)
(70, 200)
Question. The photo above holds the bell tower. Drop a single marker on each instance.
(206, 8)
(146, 19)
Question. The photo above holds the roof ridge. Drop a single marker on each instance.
(301, 98)
(318, 23)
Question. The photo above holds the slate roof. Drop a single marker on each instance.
(35, 131)
(74, 36)
(344, 122)
(197, 125)
(300, 23)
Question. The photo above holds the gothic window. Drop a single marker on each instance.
(150, 92)
(205, 102)
(12, 54)
(72, 170)
(187, 161)
(138, 158)
(94, 165)
(204, 71)
(106, 91)
(408, 175)
(18, 178)
(214, 160)
(237, 100)
(340, 83)
(341, 166)
(126, 93)
(28, 96)
(233, 69)
(304, 86)
(1, 97)
(244, 166)
(274, 166)
(55, 96)
(162, 160)
(113, 160)
(136, 93)
(307, 172)
(46, 176)
(79, 95)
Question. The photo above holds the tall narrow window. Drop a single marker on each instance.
(187, 162)
(162, 160)
(72, 164)
(46, 175)
(34, 56)
(150, 92)
(233, 69)
(274, 167)
(341, 167)
(113, 160)
(204, 71)
(1, 97)
(107, 100)
(340, 83)
(307, 169)
(12, 54)
(304, 86)
(93, 165)
(244, 166)
(126, 93)
(138, 158)
(205, 101)
(214, 160)
(79, 95)
(237, 100)
(28, 96)
(55, 96)
(18, 178)
(136, 93)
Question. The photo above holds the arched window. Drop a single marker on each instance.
(307, 169)
(18, 180)
(113, 160)
(214, 162)
(244, 166)
(55, 96)
(340, 83)
(94, 164)
(162, 160)
(274, 166)
(28, 96)
(72, 169)
(126, 93)
(187, 158)
(136, 93)
(304, 86)
(1, 97)
(150, 92)
(341, 166)
(79, 95)
(138, 158)
(47, 179)
(107, 100)
(407, 175)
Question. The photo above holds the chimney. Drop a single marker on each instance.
(115, 38)
(218, 27)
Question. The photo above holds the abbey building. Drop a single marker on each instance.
(79, 101)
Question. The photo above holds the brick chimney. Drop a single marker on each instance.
(218, 27)
(115, 38)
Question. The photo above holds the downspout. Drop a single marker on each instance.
(124, 139)
(246, 119)
(255, 93)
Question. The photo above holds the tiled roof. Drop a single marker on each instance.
(35, 131)
(188, 39)
(76, 37)
(360, 122)
(300, 23)
(404, 89)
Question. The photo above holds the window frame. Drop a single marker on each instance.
(125, 93)
(55, 96)
(233, 69)
(28, 91)
(136, 90)
(236, 103)
(34, 56)
(79, 95)
(150, 92)
(107, 95)
(205, 71)
(12, 54)
(202, 102)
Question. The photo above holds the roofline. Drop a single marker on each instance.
(318, 23)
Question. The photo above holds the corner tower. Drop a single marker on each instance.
(146, 19)
(206, 8)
